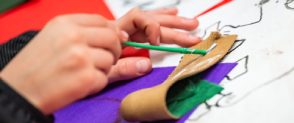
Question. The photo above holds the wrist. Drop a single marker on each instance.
(21, 88)
(17, 108)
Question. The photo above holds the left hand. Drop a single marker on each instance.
(154, 27)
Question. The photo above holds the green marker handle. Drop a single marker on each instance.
(169, 49)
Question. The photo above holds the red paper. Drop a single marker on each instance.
(36, 13)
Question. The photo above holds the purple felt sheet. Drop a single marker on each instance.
(104, 107)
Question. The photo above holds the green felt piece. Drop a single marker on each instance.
(8, 4)
(186, 94)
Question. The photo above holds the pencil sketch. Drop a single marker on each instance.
(227, 97)
(287, 4)
(235, 46)
(225, 100)
(147, 5)
(210, 27)
(260, 18)
(263, 2)
(245, 67)
(209, 106)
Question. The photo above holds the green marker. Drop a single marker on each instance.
(170, 49)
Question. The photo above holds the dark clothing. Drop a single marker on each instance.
(13, 107)
(13, 46)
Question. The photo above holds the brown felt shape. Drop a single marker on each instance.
(150, 104)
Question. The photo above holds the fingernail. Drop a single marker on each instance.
(187, 20)
(125, 35)
(192, 37)
(158, 40)
(143, 66)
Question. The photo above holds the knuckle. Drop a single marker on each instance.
(103, 81)
(77, 56)
(136, 10)
(74, 36)
(114, 38)
(156, 24)
(109, 59)
(98, 17)
(59, 19)
(74, 57)
(100, 82)
(122, 69)
(88, 78)
(115, 28)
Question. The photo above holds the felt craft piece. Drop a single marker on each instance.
(150, 104)
(188, 93)
(195, 91)
(214, 74)
(104, 107)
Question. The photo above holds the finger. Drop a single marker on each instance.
(124, 36)
(102, 59)
(176, 22)
(86, 19)
(137, 19)
(97, 21)
(104, 38)
(164, 11)
(100, 83)
(129, 68)
(170, 36)
(139, 37)
(91, 20)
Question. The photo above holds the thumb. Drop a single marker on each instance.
(129, 68)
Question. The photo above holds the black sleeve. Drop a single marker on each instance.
(12, 47)
(13, 107)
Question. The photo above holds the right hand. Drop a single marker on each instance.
(68, 60)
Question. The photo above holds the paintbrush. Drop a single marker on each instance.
(170, 49)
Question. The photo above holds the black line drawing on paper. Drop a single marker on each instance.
(230, 95)
(144, 4)
(233, 48)
(262, 85)
(209, 107)
(287, 4)
(245, 66)
(226, 99)
(209, 28)
(138, 4)
(260, 18)
(231, 26)
(263, 2)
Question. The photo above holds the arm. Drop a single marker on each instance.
(13, 107)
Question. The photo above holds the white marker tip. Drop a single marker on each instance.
(212, 46)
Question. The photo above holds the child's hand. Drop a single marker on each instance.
(157, 27)
(73, 55)
(154, 27)
(68, 60)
